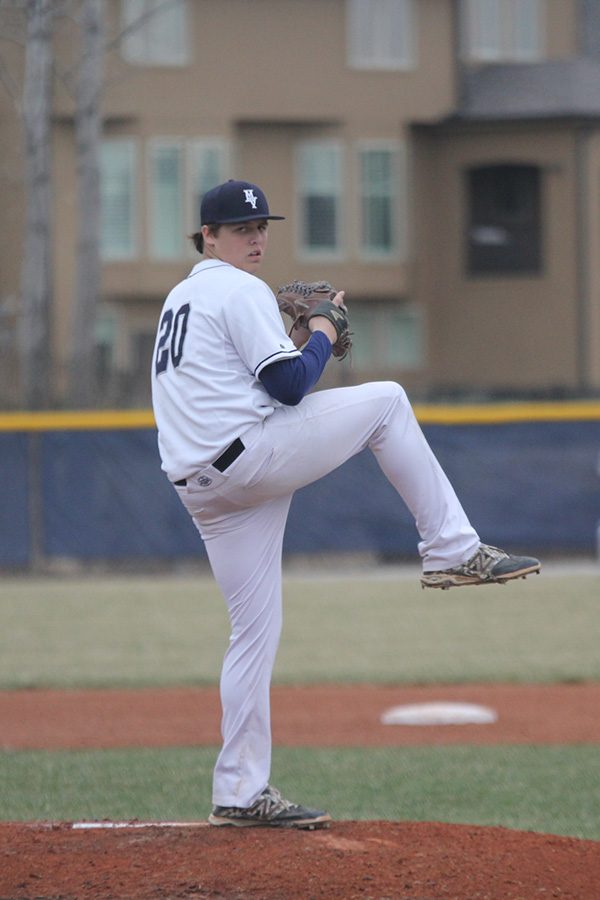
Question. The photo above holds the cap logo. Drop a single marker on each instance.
(250, 198)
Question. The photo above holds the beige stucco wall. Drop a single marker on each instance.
(504, 332)
(12, 209)
(283, 59)
(254, 81)
(562, 28)
(590, 249)
(268, 73)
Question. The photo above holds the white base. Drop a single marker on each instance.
(440, 713)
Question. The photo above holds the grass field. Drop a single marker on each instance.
(376, 627)
(549, 789)
(133, 631)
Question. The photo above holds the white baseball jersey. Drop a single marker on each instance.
(218, 329)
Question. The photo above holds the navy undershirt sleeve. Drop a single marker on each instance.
(288, 380)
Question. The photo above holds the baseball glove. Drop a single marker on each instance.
(301, 300)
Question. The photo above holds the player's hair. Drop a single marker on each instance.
(197, 237)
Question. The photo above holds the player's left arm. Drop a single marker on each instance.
(289, 380)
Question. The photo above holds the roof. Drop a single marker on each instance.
(561, 88)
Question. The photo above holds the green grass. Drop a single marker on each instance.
(136, 631)
(547, 789)
(367, 627)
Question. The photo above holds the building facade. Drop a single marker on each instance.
(437, 159)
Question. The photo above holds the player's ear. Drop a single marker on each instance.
(209, 233)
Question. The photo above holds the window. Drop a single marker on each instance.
(208, 165)
(155, 32)
(320, 179)
(105, 337)
(508, 30)
(381, 34)
(504, 220)
(404, 340)
(166, 200)
(388, 336)
(117, 199)
(381, 188)
(180, 172)
(141, 354)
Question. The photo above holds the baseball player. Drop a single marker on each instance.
(239, 432)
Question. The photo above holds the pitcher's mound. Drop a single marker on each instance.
(351, 860)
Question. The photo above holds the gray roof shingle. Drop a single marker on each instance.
(561, 88)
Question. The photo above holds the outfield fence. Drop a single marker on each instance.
(87, 486)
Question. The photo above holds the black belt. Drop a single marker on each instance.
(223, 461)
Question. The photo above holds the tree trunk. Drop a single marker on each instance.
(88, 129)
(36, 275)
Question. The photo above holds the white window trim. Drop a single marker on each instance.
(537, 53)
(133, 143)
(190, 217)
(380, 316)
(152, 145)
(505, 48)
(223, 147)
(399, 250)
(302, 251)
(416, 312)
(471, 48)
(356, 10)
(131, 58)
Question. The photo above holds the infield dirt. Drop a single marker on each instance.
(351, 860)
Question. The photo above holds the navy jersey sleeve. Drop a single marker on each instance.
(289, 380)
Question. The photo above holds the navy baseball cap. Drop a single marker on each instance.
(234, 201)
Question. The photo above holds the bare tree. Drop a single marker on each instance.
(85, 82)
(88, 129)
(36, 278)
(88, 77)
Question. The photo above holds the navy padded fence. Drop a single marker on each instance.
(14, 509)
(533, 486)
(100, 494)
(105, 497)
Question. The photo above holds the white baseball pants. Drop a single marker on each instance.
(241, 516)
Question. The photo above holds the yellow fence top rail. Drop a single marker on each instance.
(77, 420)
(499, 413)
(428, 414)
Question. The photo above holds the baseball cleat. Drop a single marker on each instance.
(270, 810)
(488, 565)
